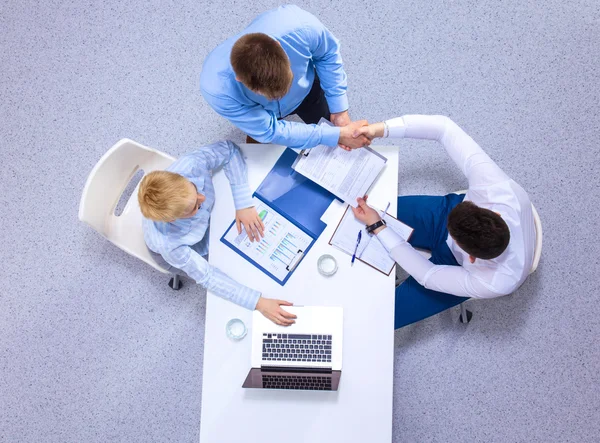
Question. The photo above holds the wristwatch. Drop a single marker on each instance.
(375, 225)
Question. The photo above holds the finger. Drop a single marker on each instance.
(287, 314)
(284, 303)
(358, 132)
(249, 231)
(255, 232)
(239, 225)
(361, 122)
(285, 321)
(260, 227)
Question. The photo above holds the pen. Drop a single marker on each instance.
(356, 247)
(385, 210)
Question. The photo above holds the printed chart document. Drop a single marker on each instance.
(346, 174)
(279, 251)
(370, 250)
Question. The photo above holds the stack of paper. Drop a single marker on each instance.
(370, 249)
(346, 174)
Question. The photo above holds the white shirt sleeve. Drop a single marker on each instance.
(477, 166)
(479, 169)
(454, 280)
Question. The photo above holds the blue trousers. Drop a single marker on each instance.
(428, 216)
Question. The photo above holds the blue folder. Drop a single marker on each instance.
(296, 198)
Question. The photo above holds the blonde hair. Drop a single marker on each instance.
(164, 196)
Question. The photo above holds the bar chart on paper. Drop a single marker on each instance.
(278, 249)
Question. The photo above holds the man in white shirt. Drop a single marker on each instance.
(482, 243)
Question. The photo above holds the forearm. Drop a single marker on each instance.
(236, 172)
(453, 280)
(303, 136)
(216, 281)
(211, 278)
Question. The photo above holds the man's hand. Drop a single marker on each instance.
(370, 131)
(347, 140)
(340, 118)
(252, 223)
(365, 213)
(272, 310)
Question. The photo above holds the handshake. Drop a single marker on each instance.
(354, 135)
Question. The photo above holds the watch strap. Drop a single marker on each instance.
(375, 225)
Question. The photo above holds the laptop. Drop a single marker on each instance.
(304, 356)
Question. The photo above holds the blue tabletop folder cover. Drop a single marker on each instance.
(296, 198)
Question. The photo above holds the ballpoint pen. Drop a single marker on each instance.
(356, 247)
(385, 210)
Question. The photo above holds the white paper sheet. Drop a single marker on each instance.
(370, 250)
(280, 245)
(347, 174)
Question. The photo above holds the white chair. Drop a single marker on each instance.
(102, 192)
(466, 315)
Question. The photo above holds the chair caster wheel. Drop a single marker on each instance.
(469, 316)
(175, 283)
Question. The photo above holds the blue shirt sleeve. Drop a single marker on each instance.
(227, 155)
(210, 277)
(325, 50)
(264, 127)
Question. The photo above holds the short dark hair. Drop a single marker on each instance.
(478, 231)
(262, 65)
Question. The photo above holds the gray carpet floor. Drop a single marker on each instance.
(94, 347)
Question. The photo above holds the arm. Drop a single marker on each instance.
(325, 50)
(211, 278)
(264, 127)
(454, 280)
(477, 166)
(227, 154)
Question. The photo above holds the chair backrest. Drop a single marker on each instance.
(537, 252)
(104, 187)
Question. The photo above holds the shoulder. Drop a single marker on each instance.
(217, 76)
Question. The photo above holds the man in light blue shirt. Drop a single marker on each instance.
(285, 62)
(176, 205)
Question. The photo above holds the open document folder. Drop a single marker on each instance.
(370, 250)
(346, 174)
(291, 207)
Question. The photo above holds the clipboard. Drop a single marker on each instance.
(372, 167)
(371, 238)
(296, 199)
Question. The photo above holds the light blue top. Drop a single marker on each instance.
(182, 243)
(308, 43)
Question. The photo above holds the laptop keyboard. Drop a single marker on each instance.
(296, 382)
(296, 347)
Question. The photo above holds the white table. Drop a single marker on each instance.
(361, 410)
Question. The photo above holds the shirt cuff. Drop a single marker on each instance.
(330, 135)
(338, 103)
(397, 127)
(389, 239)
(250, 298)
(242, 197)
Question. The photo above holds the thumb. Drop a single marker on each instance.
(358, 132)
(285, 303)
(238, 224)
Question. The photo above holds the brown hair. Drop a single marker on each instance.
(479, 232)
(262, 65)
(164, 196)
